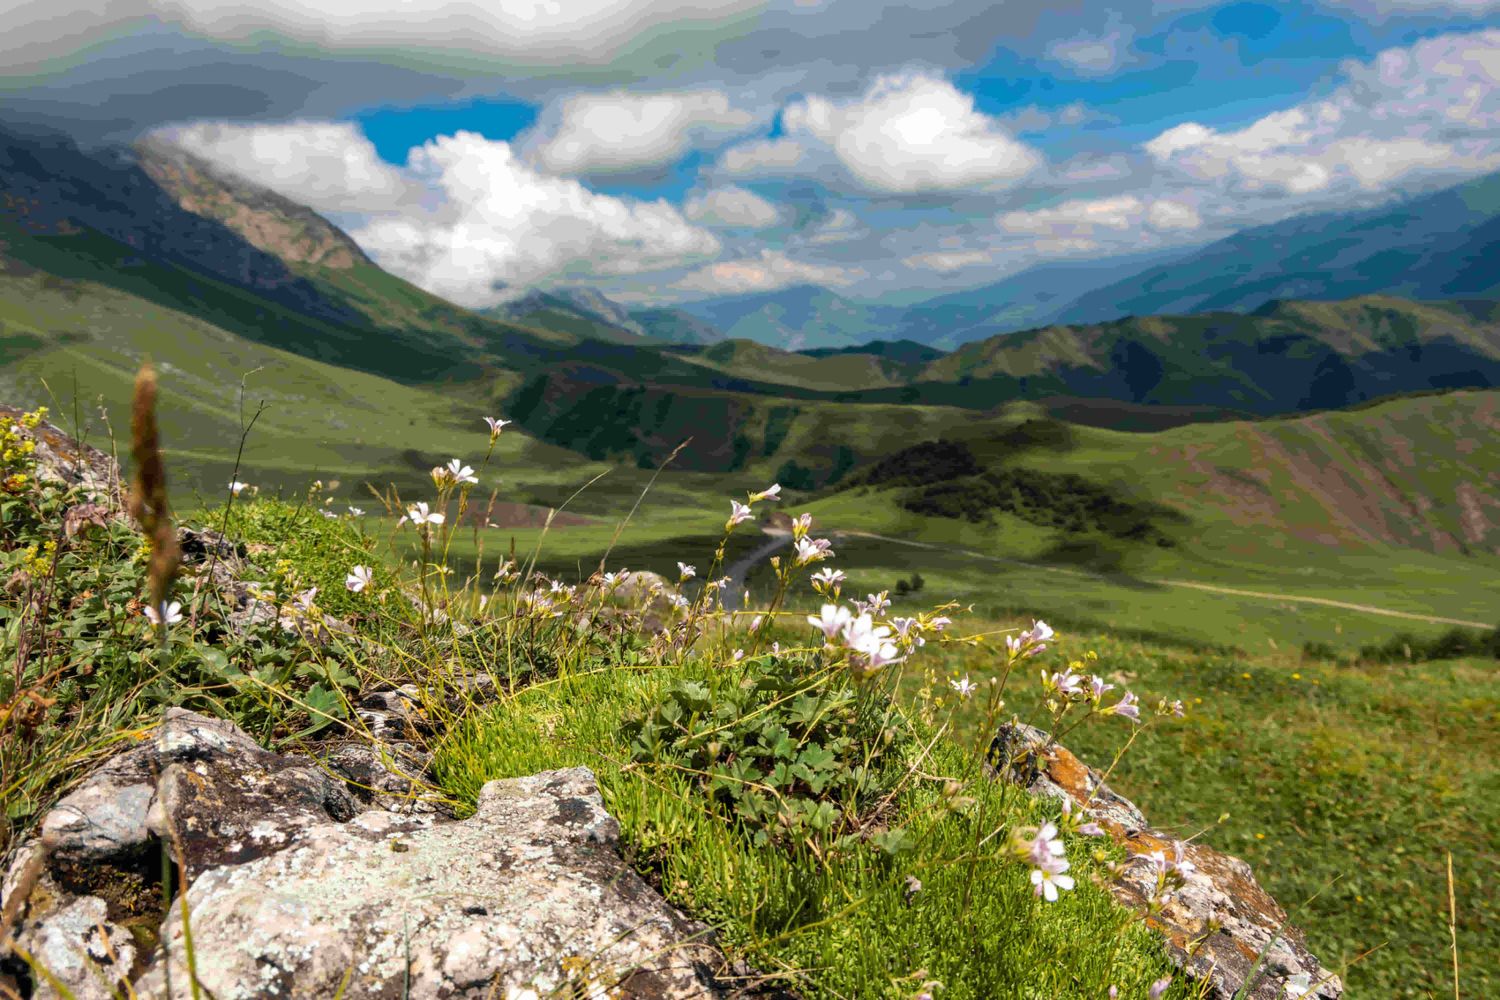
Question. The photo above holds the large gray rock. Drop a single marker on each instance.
(203, 783)
(60, 458)
(1221, 928)
(530, 892)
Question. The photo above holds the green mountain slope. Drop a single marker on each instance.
(1438, 246)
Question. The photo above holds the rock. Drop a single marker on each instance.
(82, 949)
(206, 783)
(1221, 928)
(62, 459)
(529, 892)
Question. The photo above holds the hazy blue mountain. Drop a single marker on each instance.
(675, 326)
(798, 318)
(1437, 246)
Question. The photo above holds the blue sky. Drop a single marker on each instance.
(876, 147)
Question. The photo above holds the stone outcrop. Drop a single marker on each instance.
(1221, 928)
(294, 891)
(529, 893)
(61, 458)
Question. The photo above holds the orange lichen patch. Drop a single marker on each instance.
(1069, 773)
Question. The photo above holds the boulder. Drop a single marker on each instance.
(61, 458)
(204, 784)
(529, 893)
(1221, 928)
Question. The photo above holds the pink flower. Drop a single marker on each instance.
(772, 492)
(1045, 846)
(811, 550)
(1158, 988)
(496, 426)
(1127, 706)
(358, 579)
(739, 513)
(833, 620)
(1046, 881)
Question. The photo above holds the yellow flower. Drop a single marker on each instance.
(1296, 677)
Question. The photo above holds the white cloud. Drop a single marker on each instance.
(328, 166)
(1384, 8)
(912, 133)
(763, 157)
(945, 261)
(1434, 106)
(501, 222)
(1095, 54)
(732, 207)
(769, 271)
(838, 226)
(620, 131)
(1081, 218)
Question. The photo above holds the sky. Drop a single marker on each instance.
(663, 150)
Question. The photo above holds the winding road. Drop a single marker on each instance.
(777, 539)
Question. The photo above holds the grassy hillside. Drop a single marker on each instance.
(1437, 246)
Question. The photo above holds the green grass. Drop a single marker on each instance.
(840, 925)
(1344, 786)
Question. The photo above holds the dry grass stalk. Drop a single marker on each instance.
(148, 491)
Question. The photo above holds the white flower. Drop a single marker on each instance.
(1127, 707)
(1158, 988)
(170, 614)
(496, 426)
(939, 623)
(419, 514)
(1031, 641)
(872, 642)
(964, 687)
(772, 492)
(329, 514)
(1045, 848)
(688, 572)
(521, 992)
(460, 472)
(236, 487)
(833, 620)
(811, 550)
(304, 600)
(801, 524)
(1048, 880)
(1298, 986)
(739, 513)
(359, 578)
(827, 578)
(1066, 683)
(356, 512)
(1097, 687)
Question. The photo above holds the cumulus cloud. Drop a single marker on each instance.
(621, 131)
(766, 272)
(731, 207)
(1430, 107)
(328, 166)
(945, 261)
(913, 133)
(763, 157)
(1081, 218)
(501, 222)
(1095, 54)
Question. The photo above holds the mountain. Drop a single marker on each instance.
(1030, 298)
(798, 318)
(579, 311)
(1285, 357)
(675, 326)
(1438, 246)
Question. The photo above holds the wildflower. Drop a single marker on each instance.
(496, 426)
(169, 614)
(356, 512)
(359, 578)
(1045, 848)
(772, 492)
(1181, 866)
(1066, 683)
(1158, 988)
(236, 487)
(420, 515)
(910, 632)
(1046, 881)
(1031, 641)
(739, 513)
(1097, 687)
(461, 473)
(811, 550)
(1127, 707)
(872, 642)
(1298, 986)
(1088, 828)
(688, 572)
(1176, 709)
(739, 654)
(873, 604)
(801, 524)
(610, 580)
(330, 515)
(939, 623)
(827, 578)
(304, 600)
(833, 620)
(964, 687)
